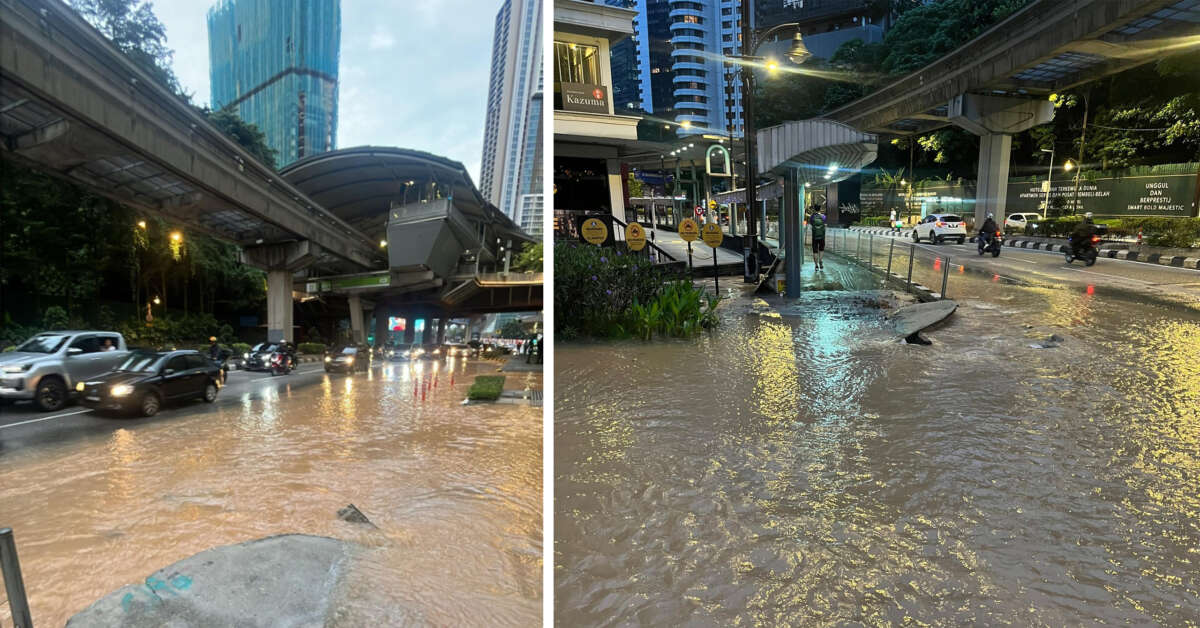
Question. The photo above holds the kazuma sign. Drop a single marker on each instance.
(585, 97)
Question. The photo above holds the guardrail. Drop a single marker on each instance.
(14, 585)
(901, 262)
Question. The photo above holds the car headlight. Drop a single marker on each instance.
(245, 356)
(350, 360)
(437, 352)
(79, 387)
(391, 353)
(328, 359)
(17, 368)
(121, 390)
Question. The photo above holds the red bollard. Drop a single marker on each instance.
(422, 395)
(414, 389)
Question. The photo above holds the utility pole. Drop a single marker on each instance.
(750, 240)
(1079, 164)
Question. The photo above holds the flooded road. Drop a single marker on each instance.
(808, 470)
(454, 490)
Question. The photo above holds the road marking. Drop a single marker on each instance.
(46, 418)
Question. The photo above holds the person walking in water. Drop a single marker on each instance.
(817, 222)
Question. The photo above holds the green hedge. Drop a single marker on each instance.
(240, 348)
(311, 348)
(1156, 230)
(486, 388)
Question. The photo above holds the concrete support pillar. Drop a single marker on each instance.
(616, 187)
(410, 329)
(280, 261)
(792, 237)
(995, 119)
(831, 202)
(357, 333)
(381, 327)
(279, 306)
(441, 330)
(991, 194)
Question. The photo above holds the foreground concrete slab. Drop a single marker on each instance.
(911, 319)
(286, 580)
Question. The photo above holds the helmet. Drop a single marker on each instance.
(991, 215)
(212, 338)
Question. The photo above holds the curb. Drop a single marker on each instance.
(1176, 261)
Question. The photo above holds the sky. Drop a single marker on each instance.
(414, 73)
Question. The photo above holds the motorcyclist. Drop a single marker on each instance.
(1081, 237)
(214, 348)
(989, 229)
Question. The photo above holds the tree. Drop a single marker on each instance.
(132, 26)
(529, 260)
(512, 328)
(247, 135)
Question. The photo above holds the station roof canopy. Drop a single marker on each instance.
(821, 151)
(361, 184)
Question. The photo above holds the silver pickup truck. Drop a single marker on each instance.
(46, 368)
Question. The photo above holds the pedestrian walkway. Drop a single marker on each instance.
(670, 242)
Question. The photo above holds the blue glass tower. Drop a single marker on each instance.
(276, 63)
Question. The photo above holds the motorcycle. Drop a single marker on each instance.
(1089, 251)
(991, 245)
(281, 363)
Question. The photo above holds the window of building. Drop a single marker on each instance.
(576, 63)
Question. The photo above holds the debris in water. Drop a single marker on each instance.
(352, 514)
(916, 339)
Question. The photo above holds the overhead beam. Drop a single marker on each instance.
(1039, 32)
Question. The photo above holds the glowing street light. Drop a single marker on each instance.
(157, 301)
(1068, 165)
(176, 236)
(687, 124)
(383, 244)
(141, 224)
(772, 65)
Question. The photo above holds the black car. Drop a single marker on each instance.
(348, 358)
(148, 379)
(259, 357)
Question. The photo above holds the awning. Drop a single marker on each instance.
(820, 151)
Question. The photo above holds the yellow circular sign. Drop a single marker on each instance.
(688, 230)
(594, 231)
(635, 236)
(712, 234)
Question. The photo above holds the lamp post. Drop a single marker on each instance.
(1049, 180)
(750, 45)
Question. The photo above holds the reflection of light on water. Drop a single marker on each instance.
(775, 361)
(124, 453)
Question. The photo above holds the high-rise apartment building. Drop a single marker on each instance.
(276, 63)
(678, 46)
(512, 133)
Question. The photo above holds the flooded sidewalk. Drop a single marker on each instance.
(455, 493)
(797, 467)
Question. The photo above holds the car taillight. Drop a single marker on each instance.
(1095, 238)
(940, 223)
(997, 233)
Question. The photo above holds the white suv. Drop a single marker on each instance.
(1019, 221)
(938, 228)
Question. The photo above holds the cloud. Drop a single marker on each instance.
(412, 74)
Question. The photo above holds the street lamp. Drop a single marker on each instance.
(157, 301)
(798, 53)
(141, 224)
(382, 244)
(1049, 180)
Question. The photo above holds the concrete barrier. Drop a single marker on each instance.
(287, 580)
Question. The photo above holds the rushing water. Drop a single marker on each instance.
(807, 470)
(455, 491)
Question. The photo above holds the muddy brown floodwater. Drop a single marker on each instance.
(455, 491)
(808, 470)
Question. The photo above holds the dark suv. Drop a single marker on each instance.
(348, 358)
(147, 379)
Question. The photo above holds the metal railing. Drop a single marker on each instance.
(14, 585)
(900, 261)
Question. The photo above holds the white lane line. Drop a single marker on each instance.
(45, 418)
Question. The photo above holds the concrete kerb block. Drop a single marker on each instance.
(1192, 262)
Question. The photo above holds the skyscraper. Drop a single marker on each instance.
(276, 63)
(512, 156)
(678, 44)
